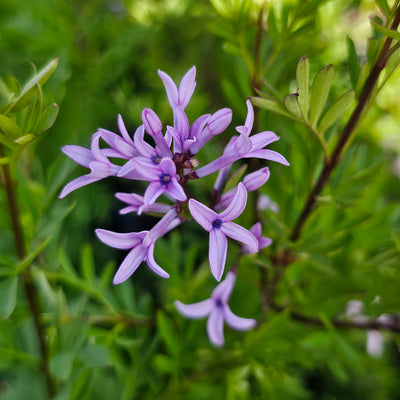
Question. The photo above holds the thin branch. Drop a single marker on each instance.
(347, 131)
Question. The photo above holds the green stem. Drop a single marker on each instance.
(30, 290)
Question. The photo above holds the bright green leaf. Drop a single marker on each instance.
(271, 105)
(292, 104)
(24, 264)
(167, 332)
(319, 92)
(25, 139)
(302, 76)
(336, 111)
(235, 178)
(384, 31)
(362, 77)
(87, 262)
(354, 66)
(47, 119)
(61, 364)
(9, 127)
(8, 296)
(383, 5)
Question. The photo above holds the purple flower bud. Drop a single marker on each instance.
(152, 123)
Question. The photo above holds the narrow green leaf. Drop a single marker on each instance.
(271, 105)
(27, 261)
(292, 104)
(167, 332)
(25, 139)
(47, 118)
(235, 178)
(8, 296)
(372, 50)
(383, 5)
(5, 160)
(95, 355)
(87, 262)
(221, 8)
(336, 111)
(319, 92)
(354, 66)
(29, 89)
(362, 77)
(9, 127)
(273, 27)
(302, 76)
(384, 31)
(61, 364)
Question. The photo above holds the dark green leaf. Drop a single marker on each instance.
(8, 296)
(47, 119)
(271, 105)
(354, 66)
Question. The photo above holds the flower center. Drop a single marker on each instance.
(218, 303)
(217, 223)
(165, 179)
(155, 159)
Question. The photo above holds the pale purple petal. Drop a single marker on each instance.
(123, 130)
(152, 123)
(216, 165)
(168, 166)
(79, 154)
(264, 242)
(237, 205)
(202, 214)
(195, 310)
(95, 148)
(219, 121)
(241, 234)
(152, 263)
(217, 252)
(170, 87)
(267, 155)
(215, 327)
(250, 116)
(198, 125)
(224, 289)
(76, 184)
(263, 139)
(256, 179)
(176, 190)
(120, 240)
(238, 323)
(164, 225)
(146, 168)
(143, 147)
(181, 124)
(124, 149)
(186, 87)
(130, 264)
(153, 192)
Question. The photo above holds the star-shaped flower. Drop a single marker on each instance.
(218, 311)
(220, 226)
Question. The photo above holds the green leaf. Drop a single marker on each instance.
(336, 111)
(28, 138)
(362, 78)
(8, 296)
(5, 160)
(9, 127)
(167, 332)
(319, 92)
(273, 27)
(61, 365)
(271, 105)
(29, 89)
(292, 104)
(302, 77)
(47, 119)
(354, 66)
(221, 8)
(235, 178)
(384, 31)
(27, 261)
(87, 262)
(95, 355)
(383, 5)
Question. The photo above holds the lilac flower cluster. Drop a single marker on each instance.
(169, 166)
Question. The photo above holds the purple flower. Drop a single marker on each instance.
(220, 226)
(136, 204)
(141, 245)
(95, 159)
(216, 307)
(262, 241)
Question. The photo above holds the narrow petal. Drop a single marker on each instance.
(241, 234)
(215, 327)
(164, 225)
(79, 154)
(120, 240)
(151, 262)
(170, 87)
(238, 323)
(237, 205)
(267, 155)
(202, 214)
(186, 87)
(143, 147)
(123, 130)
(153, 192)
(76, 184)
(224, 289)
(250, 116)
(130, 264)
(176, 190)
(256, 179)
(195, 310)
(218, 245)
(95, 148)
(219, 121)
(168, 166)
(263, 139)
(199, 125)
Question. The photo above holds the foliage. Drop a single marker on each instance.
(309, 68)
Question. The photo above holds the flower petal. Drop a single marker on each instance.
(79, 154)
(224, 289)
(202, 214)
(263, 139)
(237, 205)
(170, 87)
(176, 190)
(151, 262)
(217, 253)
(215, 327)
(241, 234)
(239, 323)
(130, 264)
(120, 240)
(76, 184)
(267, 155)
(186, 87)
(153, 192)
(123, 130)
(195, 310)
